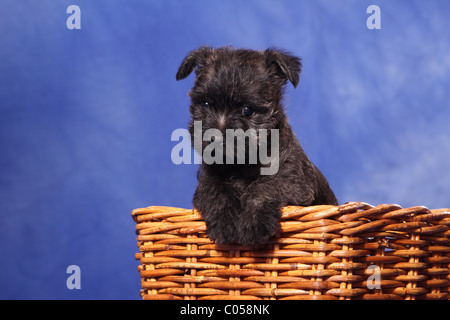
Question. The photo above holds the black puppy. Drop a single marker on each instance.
(242, 89)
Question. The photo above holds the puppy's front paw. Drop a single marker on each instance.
(218, 210)
(258, 229)
(220, 224)
(222, 230)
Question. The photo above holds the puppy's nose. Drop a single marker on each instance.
(221, 123)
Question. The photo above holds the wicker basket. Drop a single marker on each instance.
(352, 251)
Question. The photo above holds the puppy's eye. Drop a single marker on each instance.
(204, 105)
(247, 111)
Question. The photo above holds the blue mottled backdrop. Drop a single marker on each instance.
(86, 117)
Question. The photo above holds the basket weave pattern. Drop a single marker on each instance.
(352, 251)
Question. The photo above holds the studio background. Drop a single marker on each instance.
(86, 118)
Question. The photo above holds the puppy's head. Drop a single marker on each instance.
(238, 88)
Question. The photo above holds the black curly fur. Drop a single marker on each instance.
(238, 204)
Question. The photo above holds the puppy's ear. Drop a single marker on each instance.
(193, 59)
(287, 65)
